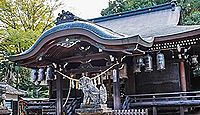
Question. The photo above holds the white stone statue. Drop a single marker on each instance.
(92, 95)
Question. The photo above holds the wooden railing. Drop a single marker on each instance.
(48, 106)
(185, 101)
(69, 109)
(165, 99)
(130, 112)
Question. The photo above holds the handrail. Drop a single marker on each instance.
(162, 94)
(165, 99)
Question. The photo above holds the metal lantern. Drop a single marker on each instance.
(148, 63)
(138, 64)
(140, 61)
(194, 59)
(123, 71)
(41, 74)
(49, 73)
(34, 75)
(160, 61)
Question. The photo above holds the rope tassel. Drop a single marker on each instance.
(77, 85)
(94, 78)
(70, 83)
(99, 80)
(95, 82)
(73, 84)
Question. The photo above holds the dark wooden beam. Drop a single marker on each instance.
(154, 111)
(82, 70)
(182, 110)
(96, 56)
(130, 82)
(59, 95)
(50, 84)
(177, 103)
(180, 36)
(182, 76)
(116, 89)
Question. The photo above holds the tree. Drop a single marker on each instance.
(190, 8)
(114, 7)
(16, 41)
(190, 12)
(28, 14)
(23, 21)
(127, 5)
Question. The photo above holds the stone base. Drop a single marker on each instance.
(92, 109)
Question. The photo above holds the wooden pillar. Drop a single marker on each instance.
(59, 95)
(154, 111)
(116, 89)
(182, 76)
(154, 108)
(50, 89)
(182, 110)
(109, 87)
(130, 82)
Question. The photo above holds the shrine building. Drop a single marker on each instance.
(146, 59)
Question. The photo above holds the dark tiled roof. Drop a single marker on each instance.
(156, 21)
(159, 31)
(11, 90)
(165, 6)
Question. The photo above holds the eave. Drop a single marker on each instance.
(178, 36)
(97, 36)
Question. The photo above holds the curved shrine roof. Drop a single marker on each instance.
(119, 32)
(98, 34)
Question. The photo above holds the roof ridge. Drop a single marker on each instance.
(169, 5)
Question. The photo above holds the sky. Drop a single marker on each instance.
(85, 9)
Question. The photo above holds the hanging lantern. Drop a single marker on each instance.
(194, 59)
(123, 71)
(160, 61)
(140, 61)
(148, 64)
(49, 73)
(34, 75)
(41, 74)
(138, 64)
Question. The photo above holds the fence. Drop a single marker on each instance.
(165, 99)
(130, 112)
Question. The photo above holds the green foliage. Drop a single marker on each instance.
(18, 77)
(190, 12)
(16, 41)
(114, 7)
(23, 21)
(190, 8)
(192, 19)
(7, 73)
(127, 5)
(28, 14)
